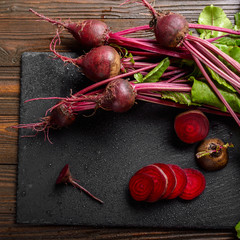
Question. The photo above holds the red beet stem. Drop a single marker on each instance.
(130, 42)
(104, 82)
(234, 115)
(196, 54)
(214, 49)
(75, 184)
(216, 60)
(162, 86)
(177, 76)
(149, 97)
(130, 30)
(142, 97)
(213, 28)
(66, 177)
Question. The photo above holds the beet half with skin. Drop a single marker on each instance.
(212, 154)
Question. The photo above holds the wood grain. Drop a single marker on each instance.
(19, 32)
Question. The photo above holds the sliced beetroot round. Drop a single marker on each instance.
(181, 181)
(160, 181)
(172, 180)
(196, 184)
(140, 186)
(191, 126)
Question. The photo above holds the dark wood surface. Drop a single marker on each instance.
(20, 32)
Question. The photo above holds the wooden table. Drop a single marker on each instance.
(20, 32)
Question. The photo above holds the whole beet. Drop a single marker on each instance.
(101, 63)
(170, 29)
(89, 33)
(119, 96)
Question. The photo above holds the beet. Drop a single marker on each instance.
(160, 181)
(212, 154)
(98, 64)
(89, 33)
(191, 126)
(196, 184)
(61, 117)
(65, 177)
(185, 183)
(119, 96)
(170, 29)
(140, 186)
(181, 181)
(172, 180)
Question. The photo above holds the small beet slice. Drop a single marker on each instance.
(140, 186)
(172, 180)
(160, 181)
(181, 183)
(191, 126)
(196, 184)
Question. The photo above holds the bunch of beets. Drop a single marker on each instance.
(114, 90)
(112, 71)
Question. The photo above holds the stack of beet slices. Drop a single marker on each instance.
(166, 181)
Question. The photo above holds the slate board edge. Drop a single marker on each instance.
(19, 166)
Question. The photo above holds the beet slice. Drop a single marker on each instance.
(160, 181)
(181, 183)
(191, 126)
(196, 184)
(140, 186)
(172, 180)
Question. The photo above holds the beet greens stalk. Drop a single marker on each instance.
(171, 31)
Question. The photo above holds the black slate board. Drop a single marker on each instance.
(103, 152)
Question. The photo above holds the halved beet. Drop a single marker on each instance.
(172, 180)
(140, 186)
(160, 181)
(196, 184)
(191, 126)
(181, 183)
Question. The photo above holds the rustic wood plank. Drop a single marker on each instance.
(109, 8)
(9, 106)
(7, 189)
(8, 140)
(9, 73)
(73, 232)
(9, 88)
